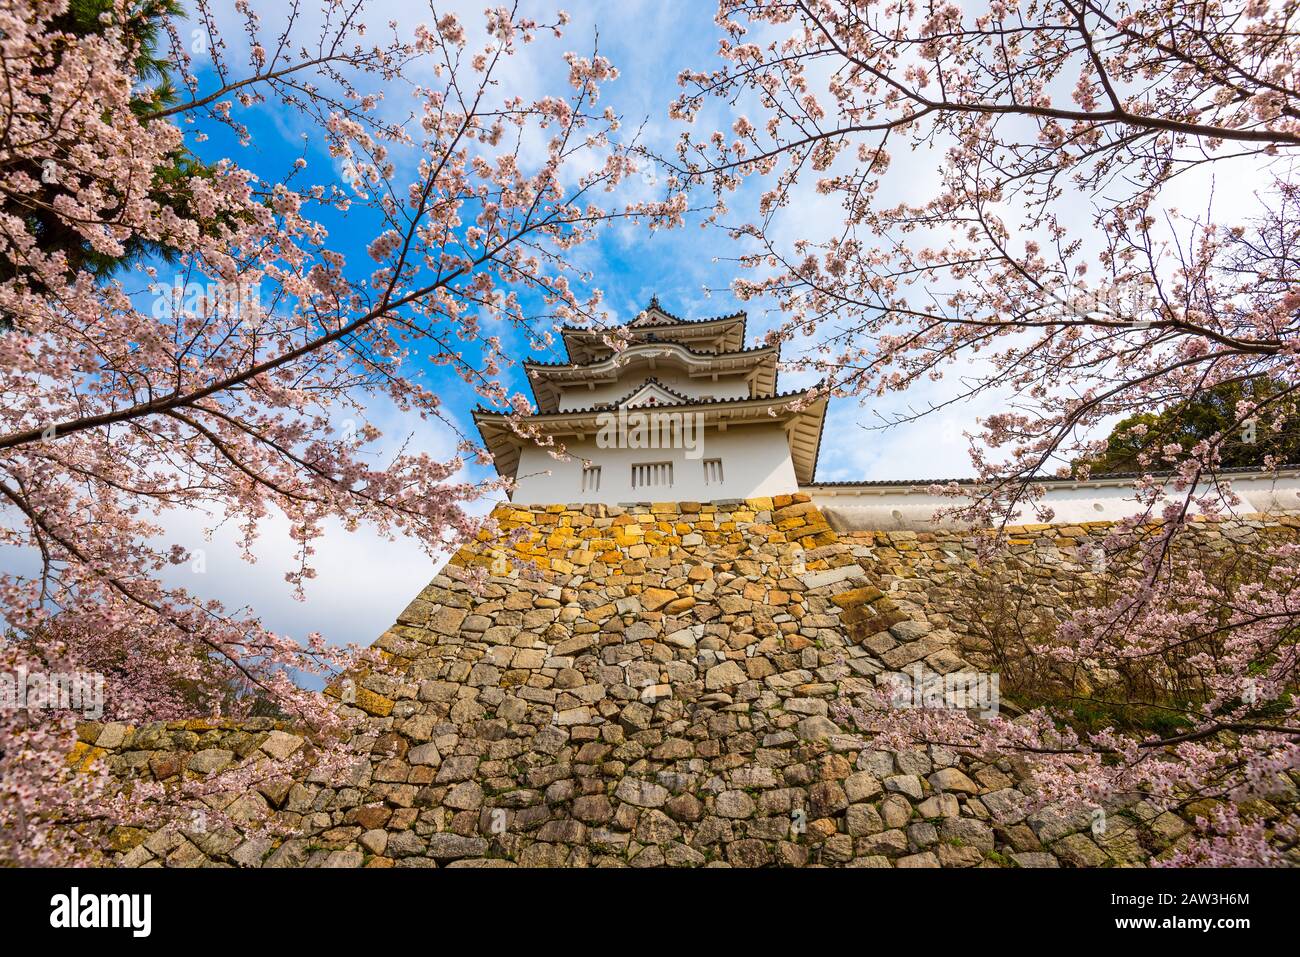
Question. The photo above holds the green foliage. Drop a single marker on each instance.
(1091, 715)
(144, 28)
(1206, 414)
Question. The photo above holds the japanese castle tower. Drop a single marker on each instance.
(684, 412)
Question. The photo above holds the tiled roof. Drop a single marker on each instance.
(702, 353)
(676, 321)
(610, 406)
(652, 381)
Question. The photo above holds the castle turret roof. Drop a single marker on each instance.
(549, 379)
(711, 334)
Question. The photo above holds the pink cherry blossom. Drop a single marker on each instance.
(235, 380)
(1048, 263)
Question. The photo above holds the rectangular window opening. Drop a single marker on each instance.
(713, 471)
(652, 475)
(591, 478)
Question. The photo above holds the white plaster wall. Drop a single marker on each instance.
(910, 507)
(727, 387)
(755, 461)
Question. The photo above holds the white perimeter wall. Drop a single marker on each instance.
(911, 507)
(755, 463)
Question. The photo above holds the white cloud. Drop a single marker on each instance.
(363, 580)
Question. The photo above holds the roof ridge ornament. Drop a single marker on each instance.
(654, 314)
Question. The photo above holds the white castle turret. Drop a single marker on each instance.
(683, 413)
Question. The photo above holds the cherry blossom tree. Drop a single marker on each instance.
(1066, 254)
(236, 378)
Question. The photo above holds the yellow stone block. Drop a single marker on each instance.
(652, 599)
(372, 703)
(82, 756)
(858, 596)
(122, 839)
(78, 752)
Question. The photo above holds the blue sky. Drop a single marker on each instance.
(650, 43)
(364, 580)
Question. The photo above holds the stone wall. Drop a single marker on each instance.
(642, 686)
(1053, 568)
